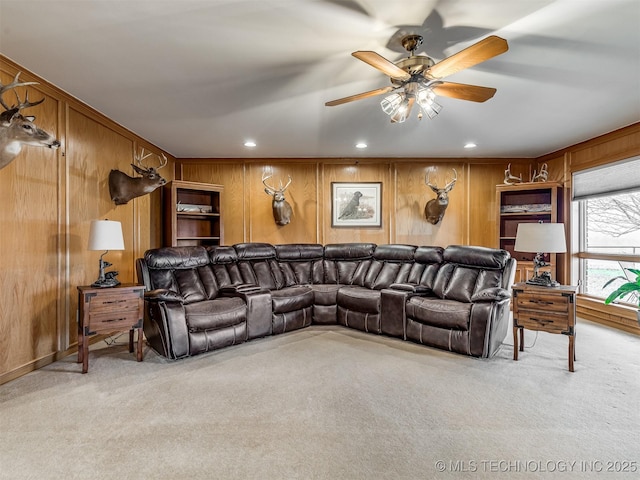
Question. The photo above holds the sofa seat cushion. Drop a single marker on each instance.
(291, 299)
(359, 299)
(439, 313)
(325, 293)
(215, 314)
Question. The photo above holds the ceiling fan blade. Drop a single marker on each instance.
(382, 64)
(359, 96)
(470, 56)
(462, 91)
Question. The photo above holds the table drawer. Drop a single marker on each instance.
(108, 303)
(551, 303)
(120, 320)
(546, 321)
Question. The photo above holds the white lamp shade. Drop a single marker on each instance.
(540, 238)
(105, 235)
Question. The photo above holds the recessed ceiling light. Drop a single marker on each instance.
(250, 143)
(470, 145)
(361, 145)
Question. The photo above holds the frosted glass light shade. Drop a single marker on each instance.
(392, 103)
(540, 237)
(105, 235)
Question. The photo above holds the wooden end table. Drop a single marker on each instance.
(546, 309)
(108, 310)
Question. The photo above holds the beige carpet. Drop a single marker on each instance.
(331, 403)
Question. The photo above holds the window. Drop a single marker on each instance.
(608, 227)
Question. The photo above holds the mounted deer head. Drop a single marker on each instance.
(123, 188)
(282, 211)
(435, 208)
(17, 130)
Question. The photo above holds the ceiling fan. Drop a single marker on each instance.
(417, 79)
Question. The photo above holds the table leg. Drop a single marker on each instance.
(85, 356)
(572, 352)
(131, 340)
(515, 343)
(522, 339)
(140, 344)
(80, 348)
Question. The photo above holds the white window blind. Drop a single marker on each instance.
(611, 179)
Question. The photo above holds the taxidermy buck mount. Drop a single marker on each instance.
(123, 188)
(16, 129)
(282, 211)
(435, 208)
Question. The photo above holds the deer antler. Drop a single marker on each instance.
(14, 84)
(450, 185)
(140, 158)
(266, 177)
(447, 187)
(428, 181)
(282, 189)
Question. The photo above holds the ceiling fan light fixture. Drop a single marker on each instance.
(392, 103)
(427, 101)
(402, 112)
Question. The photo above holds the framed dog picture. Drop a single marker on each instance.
(357, 204)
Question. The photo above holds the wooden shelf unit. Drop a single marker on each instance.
(523, 203)
(189, 226)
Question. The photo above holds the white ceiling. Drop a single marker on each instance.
(199, 77)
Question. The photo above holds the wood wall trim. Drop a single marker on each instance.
(616, 316)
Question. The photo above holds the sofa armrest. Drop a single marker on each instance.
(259, 308)
(494, 294)
(163, 295)
(411, 288)
(241, 289)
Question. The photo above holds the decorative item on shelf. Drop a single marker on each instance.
(190, 208)
(435, 208)
(17, 130)
(509, 178)
(282, 211)
(105, 235)
(540, 238)
(629, 287)
(542, 176)
(123, 188)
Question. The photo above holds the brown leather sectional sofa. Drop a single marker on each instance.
(204, 298)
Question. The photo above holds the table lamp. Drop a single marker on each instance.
(105, 235)
(541, 238)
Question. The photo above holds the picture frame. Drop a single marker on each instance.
(356, 204)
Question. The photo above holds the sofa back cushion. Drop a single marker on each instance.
(258, 265)
(347, 263)
(427, 261)
(468, 270)
(301, 263)
(224, 266)
(390, 264)
(184, 270)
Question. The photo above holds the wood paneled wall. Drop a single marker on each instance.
(49, 198)
(246, 208)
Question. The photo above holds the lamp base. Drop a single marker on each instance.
(105, 279)
(543, 280)
(106, 283)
